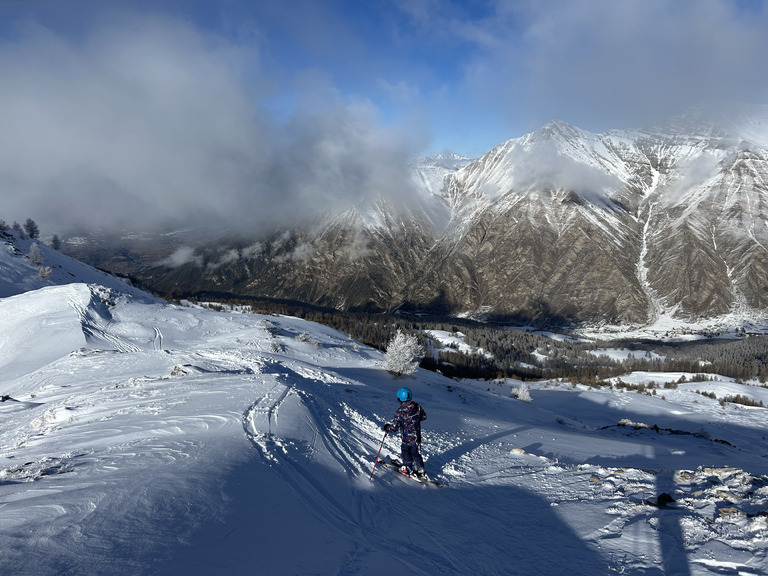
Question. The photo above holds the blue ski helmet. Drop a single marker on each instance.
(404, 394)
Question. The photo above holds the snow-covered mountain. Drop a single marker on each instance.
(139, 437)
(618, 226)
(557, 225)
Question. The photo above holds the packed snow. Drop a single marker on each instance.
(143, 437)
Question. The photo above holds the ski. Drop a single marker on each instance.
(395, 465)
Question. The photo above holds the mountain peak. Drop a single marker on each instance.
(560, 130)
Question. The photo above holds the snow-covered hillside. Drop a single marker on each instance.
(140, 437)
(21, 273)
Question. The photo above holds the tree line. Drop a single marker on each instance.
(29, 229)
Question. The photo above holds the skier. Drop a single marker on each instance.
(408, 420)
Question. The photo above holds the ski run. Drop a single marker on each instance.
(142, 437)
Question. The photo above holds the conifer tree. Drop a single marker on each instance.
(31, 228)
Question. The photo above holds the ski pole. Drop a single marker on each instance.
(377, 455)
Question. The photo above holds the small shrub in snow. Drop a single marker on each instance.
(45, 272)
(178, 371)
(276, 348)
(404, 353)
(270, 327)
(743, 400)
(304, 337)
(521, 393)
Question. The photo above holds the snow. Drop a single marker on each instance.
(429, 173)
(141, 437)
(455, 340)
(20, 274)
(622, 354)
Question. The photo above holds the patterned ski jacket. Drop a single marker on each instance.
(408, 420)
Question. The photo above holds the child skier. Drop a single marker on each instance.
(408, 420)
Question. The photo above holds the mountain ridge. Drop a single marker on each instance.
(559, 224)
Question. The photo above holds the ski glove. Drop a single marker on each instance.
(387, 427)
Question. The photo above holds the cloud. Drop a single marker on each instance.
(146, 120)
(183, 255)
(543, 166)
(228, 257)
(252, 251)
(337, 154)
(690, 176)
(301, 253)
(603, 64)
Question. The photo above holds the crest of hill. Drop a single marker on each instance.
(19, 273)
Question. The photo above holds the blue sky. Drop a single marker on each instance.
(232, 85)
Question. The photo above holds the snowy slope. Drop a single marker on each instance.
(138, 437)
(20, 274)
(430, 172)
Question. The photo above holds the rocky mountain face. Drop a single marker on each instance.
(617, 227)
(560, 224)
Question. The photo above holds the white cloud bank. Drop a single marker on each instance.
(147, 120)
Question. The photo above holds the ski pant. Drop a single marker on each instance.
(411, 457)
